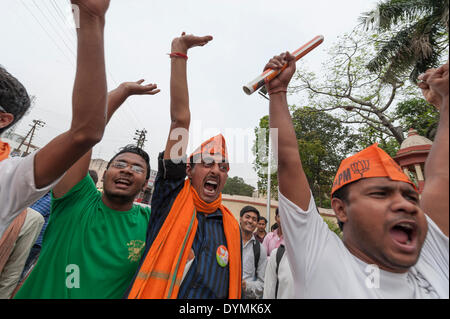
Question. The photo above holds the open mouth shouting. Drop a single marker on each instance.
(123, 183)
(404, 236)
(210, 186)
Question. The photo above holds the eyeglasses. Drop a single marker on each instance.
(121, 165)
(2, 109)
(209, 162)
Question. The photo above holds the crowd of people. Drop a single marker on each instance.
(188, 244)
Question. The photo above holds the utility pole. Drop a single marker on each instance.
(36, 125)
(140, 137)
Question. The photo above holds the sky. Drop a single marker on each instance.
(39, 47)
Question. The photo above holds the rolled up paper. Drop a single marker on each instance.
(270, 74)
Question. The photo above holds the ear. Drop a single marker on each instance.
(6, 119)
(340, 209)
(189, 170)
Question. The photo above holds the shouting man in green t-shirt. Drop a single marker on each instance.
(94, 241)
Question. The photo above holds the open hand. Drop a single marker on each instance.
(136, 88)
(187, 41)
(93, 7)
(277, 63)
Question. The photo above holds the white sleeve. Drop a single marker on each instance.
(306, 238)
(17, 188)
(435, 250)
(270, 279)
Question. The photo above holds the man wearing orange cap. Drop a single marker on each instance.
(193, 247)
(390, 247)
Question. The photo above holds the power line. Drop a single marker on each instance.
(45, 30)
(58, 27)
(55, 30)
(133, 118)
(63, 17)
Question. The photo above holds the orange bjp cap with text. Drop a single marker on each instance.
(215, 145)
(370, 162)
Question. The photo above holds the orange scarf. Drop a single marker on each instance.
(4, 150)
(161, 272)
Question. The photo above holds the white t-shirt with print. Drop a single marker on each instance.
(323, 267)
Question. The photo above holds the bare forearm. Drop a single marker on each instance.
(280, 119)
(434, 199)
(291, 177)
(116, 98)
(89, 107)
(179, 95)
(90, 90)
(437, 163)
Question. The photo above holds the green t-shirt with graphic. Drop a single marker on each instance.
(89, 250)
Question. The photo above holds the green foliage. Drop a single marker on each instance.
(352, 92)
(323, 142)
(333, 226)
(413, 36)
(237, 186)
(420, 115)
(369, 135)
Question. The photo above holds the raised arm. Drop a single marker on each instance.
(180, 116)
(291, 177)
(435, 198)
(88, 100)
(115, 99)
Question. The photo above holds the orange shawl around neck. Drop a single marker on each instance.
(4, 150)
(161, 272)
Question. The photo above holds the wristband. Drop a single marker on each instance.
(178, 55)
(277, 91)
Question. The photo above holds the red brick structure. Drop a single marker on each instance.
(412, 156)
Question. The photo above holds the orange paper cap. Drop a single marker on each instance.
(370, 162)
(215, 145)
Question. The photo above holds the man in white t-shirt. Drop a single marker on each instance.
(25, 180)
(390, 248)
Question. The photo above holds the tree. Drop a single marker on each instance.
(355, 94)
(369, 136)
(237, 186)
(414, 36)
(418, 114)
(323, 142)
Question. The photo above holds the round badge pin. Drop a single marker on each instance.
(222, 256)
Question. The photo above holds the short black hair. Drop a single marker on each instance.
(247, 209)
(274, 227)
(13, 97)
(93, 175)
(262, 218)
(130, 148)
